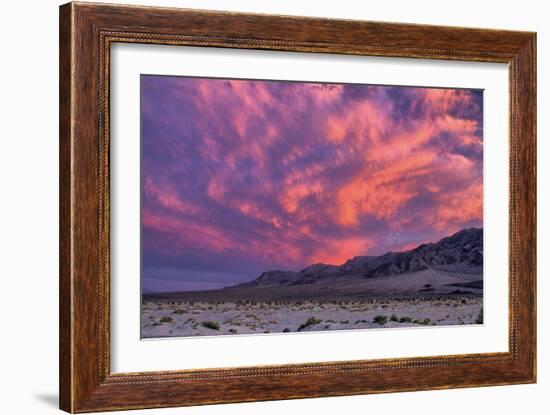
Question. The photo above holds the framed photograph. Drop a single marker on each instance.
(258, 207)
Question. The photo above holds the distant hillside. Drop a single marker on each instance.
(459, 253)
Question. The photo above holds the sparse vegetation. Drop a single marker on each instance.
(380, 320)
(213, 325)
(255, 316)
(309, 322)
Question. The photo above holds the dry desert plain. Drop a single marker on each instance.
(418, 299)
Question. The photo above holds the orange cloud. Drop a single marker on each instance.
(337, 252)
(297, 173)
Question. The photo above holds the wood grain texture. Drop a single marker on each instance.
(86, 33)
(65, 249)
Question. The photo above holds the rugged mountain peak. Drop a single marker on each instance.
(356, 264)
(461, 252)
(324, 269)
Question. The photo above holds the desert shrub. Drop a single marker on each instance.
(394, 318)
(178, 311)
(405, 320)
(286, 330)
(380, 320)
(344, 322)
(479, 319)
(213, 325)
(166, 319)
(309, 322)
(425, 322)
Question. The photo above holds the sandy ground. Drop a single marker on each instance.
(192, 318)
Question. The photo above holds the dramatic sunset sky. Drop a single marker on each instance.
(241, 177)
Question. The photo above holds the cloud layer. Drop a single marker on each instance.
(239, 176)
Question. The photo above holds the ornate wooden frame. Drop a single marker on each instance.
(86, 33)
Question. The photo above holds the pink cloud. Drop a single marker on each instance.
(294, 173)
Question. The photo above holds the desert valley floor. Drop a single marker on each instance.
(423, 298)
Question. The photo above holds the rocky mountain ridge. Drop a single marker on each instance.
(461, 252)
